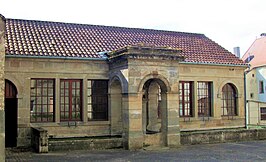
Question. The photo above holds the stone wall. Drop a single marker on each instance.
(219, 76)
(2, 86)
(20, 71)
(220, 136)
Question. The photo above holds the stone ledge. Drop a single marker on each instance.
(220, 136)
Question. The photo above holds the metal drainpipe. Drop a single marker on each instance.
(245, 100)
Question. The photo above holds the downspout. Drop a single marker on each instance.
(245, 101)
(245, 97)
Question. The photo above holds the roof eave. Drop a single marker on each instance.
(214, 64)
(55, 57)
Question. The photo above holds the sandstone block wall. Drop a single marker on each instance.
(2, 86)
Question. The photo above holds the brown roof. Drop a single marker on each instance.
(256, 54)
(41, 38)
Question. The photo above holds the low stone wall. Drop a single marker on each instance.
(220, 136)
(86, 143)
(187, 138)
(39, 140)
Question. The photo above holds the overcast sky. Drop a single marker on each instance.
(230, 23)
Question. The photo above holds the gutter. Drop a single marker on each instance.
(214, 64)
(55, 57)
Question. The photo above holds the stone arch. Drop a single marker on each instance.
(119, 77)
(115, 104)
(229, 94)
(159, 78)
(11, 114)
(154, 89)
(228, 82)
(16, 83)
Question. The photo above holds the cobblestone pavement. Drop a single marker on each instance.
(242, 151)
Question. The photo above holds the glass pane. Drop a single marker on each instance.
(66, 84)
(62, 100)
(66, 100)
(39, 108)
(38, 100)
(38, 92)
(44, 83)
(33, 92)
(89, 100)
(73, 85)
(77, 85)
(89, 92)
(39, 83)
(66, 92)
(77, 92)
(44, 100)
(33, 83)
(44, 108)
(51, 108)
(51, 83)
(89, 84)
(66, 108)
(50, 92)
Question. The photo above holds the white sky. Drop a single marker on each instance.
(230, 23)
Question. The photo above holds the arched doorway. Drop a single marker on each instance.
(154, 109)
(229, 98)
(11, 109)
(115, 100)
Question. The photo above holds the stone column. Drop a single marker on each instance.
(132, 121)
(2, 86)
(173, 129)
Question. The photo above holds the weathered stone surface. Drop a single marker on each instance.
(99, 143)
(2, 85)
(39, 140)
(219, 136)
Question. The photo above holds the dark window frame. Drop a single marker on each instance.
(37, 100)
(263, 113)
(97, 100)
(204, 97)
(70, 110)
(185, 101)
(229, 100)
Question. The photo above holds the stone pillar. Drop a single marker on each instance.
(132, 116)
(2, 87)
(173, 129)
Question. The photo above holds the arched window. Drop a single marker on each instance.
(229, 98)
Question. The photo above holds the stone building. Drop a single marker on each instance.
(144, 85)
(256, 80)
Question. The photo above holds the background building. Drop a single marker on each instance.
(255, 81)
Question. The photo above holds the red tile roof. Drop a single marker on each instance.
(41, 38)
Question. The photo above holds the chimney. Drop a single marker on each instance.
(237, 51)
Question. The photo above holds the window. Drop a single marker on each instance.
(97, 100)
(261, 87)
(263, 113)
(185, 98)
(42, 100)
(229, 98)
(204, 98)
(70, 100)
(249, 58)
